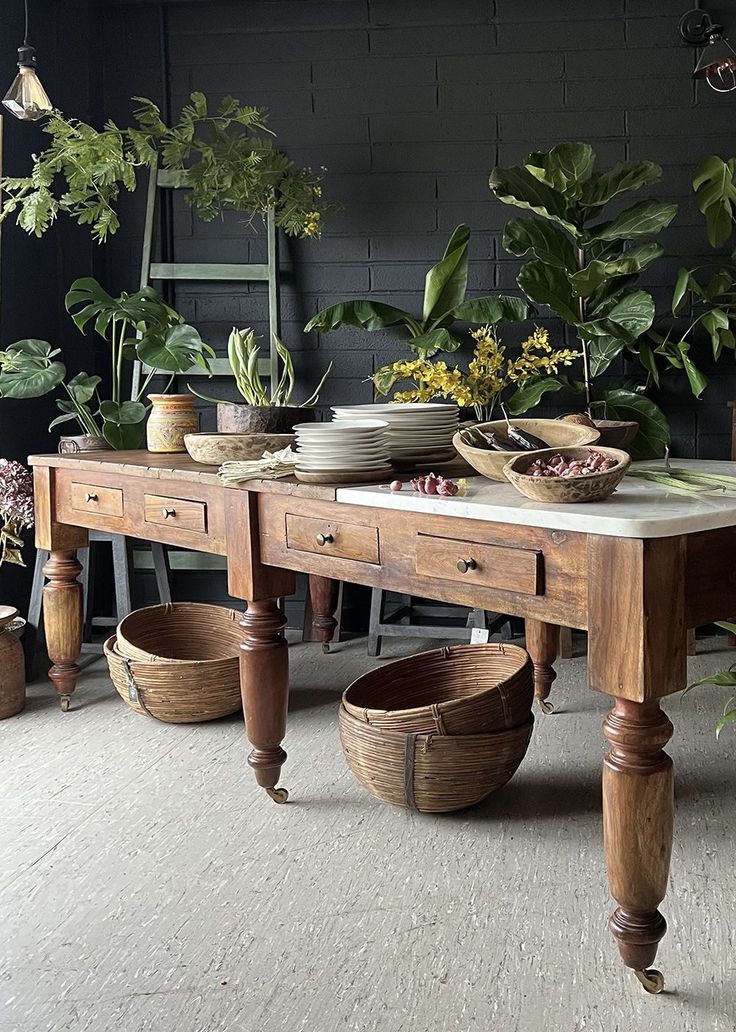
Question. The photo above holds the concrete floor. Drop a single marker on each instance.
(145, 884)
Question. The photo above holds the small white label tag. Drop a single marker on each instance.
(480, 636)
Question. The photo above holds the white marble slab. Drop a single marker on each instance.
(638, 509)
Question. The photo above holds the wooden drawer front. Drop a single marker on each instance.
(175, 512)
(334, 539)
(91, 498)
(520, 570)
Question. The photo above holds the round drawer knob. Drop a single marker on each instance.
(91, 497)
(324, 539)
(169, 513)
(464, 565)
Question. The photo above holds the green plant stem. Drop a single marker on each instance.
(82, 416)
(584, 343)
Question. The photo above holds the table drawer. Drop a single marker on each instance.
(338, 540)
(107, 501)
(520, 570)
(175, 512)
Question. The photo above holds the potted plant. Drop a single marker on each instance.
(30, 368)
(445, 303)
(265, 411)
(16, 513)
(227, 157)
(584, 267)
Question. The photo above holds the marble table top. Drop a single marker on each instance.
(637, 509)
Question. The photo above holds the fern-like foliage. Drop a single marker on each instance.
(228, 158)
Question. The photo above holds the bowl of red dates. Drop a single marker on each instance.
(565, 475)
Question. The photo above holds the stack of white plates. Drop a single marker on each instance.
(342, 449)
(417, 435)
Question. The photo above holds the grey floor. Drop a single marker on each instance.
(145, 884)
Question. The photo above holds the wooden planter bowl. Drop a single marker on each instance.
(565, 490)
(462, 690)
(429, 772)
(556, 433)
(178, 662)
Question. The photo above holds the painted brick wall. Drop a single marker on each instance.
(410, 103)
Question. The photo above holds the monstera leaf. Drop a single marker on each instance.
(566, 168)
(627, 175)
(544, 240)
(519, 187)
(174, 350)
(82, 387)
(367, 315)
(27, 369)
(714, 183)
(445, 283)
(87, 299)
(123, 423)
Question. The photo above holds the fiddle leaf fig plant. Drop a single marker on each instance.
(445, 303)
(134, 326)
(584, 267)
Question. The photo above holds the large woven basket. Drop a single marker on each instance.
(178, 662)
(429, 772)
(461, 690)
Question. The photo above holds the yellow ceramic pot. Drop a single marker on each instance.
(172, 416)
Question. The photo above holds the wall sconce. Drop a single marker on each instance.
(697, 29)
(26, 98)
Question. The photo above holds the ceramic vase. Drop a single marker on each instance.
(172, 416)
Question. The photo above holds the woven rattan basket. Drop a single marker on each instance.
(429, 772)
(178, 662)
(462, 690)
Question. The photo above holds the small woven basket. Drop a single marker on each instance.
(462, 690)
(178, 662)
(429, 772)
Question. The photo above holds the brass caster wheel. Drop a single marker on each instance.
(652, 980)
(64, 702)
(546, 707)
(279, 795)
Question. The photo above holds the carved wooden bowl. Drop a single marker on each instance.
(214, 449)
(564, 490)
(556, 433)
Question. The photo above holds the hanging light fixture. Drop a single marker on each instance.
(26, 98)
(717, 67)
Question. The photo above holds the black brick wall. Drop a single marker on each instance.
(410, 103)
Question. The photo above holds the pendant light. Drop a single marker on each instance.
(717, 66)
(26, 98)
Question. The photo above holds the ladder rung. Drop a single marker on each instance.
(210, 271)
(220, 367)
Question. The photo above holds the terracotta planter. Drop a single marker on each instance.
(70, 444)
(253, 419)
(12, 664)
(172, 417)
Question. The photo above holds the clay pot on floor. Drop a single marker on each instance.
(12, 664)
(260, 419)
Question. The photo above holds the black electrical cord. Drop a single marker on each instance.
(25, 34)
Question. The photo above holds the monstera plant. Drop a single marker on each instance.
(134, 326)
(584, 266)
(445, 303)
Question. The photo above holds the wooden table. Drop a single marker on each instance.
(635, 571)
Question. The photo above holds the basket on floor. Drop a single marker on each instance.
(178, 662)
(461, 690)
(429, 772)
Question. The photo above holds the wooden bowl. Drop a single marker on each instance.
(214, 449)
(616, 433)
(565, 490)
(556, 433)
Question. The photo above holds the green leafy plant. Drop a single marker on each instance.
(714, 184)
(243, 353)
(134, 326)
(584, 267)
(227, 158)
(445, 287)
(723, 679)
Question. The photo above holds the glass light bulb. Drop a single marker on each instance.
(26, 98)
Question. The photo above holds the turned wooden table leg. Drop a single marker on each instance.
(264, 684)
(542, 643)
(62, 616)
(324, 594)
(638, 805)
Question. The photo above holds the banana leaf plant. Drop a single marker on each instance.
(133, 326)
(584, 266)
(445, 303)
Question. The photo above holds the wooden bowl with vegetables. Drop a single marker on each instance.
(487, 447)
(567, 475)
